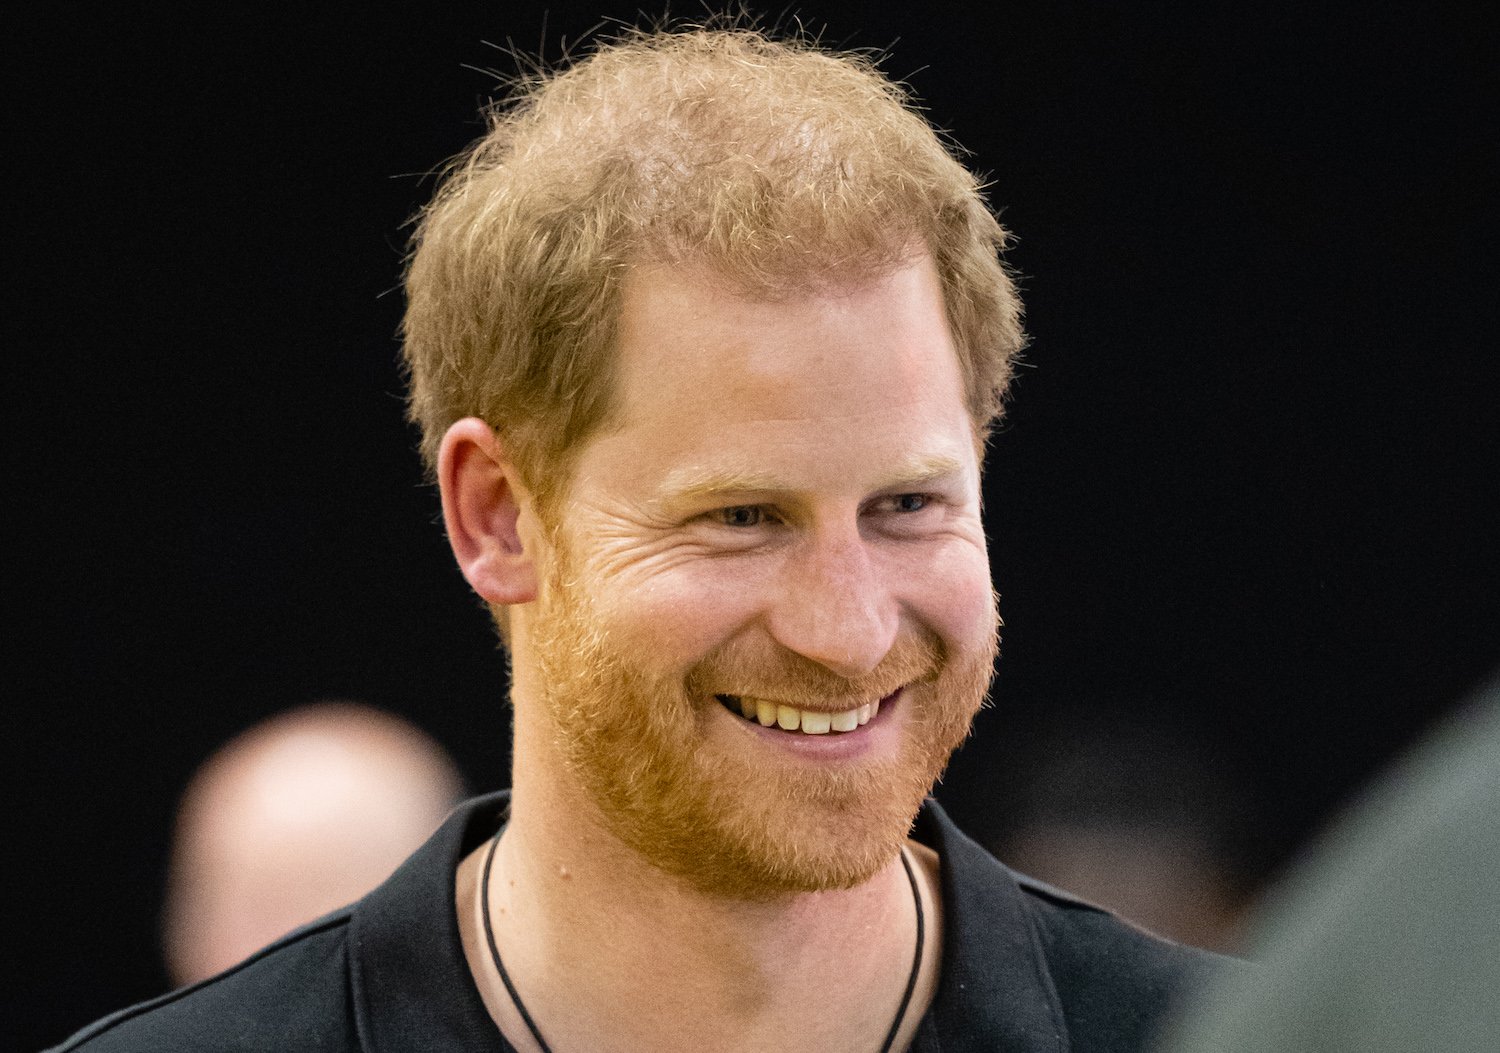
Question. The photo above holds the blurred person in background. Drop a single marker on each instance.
(291, 819)
(1140, 817)
(1386, 937)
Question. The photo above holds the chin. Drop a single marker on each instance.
(798, 843)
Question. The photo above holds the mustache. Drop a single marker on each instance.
(775, 673)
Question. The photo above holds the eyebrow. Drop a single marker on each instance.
(690, 484)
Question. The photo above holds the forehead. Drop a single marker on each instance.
(855, 378)
(680, 326)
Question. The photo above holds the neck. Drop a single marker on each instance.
(609, 953)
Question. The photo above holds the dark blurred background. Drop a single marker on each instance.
(1242, 514)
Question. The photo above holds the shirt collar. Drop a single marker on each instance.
(412, 988)
(996, 993)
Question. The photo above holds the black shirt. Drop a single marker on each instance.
(1025, 968)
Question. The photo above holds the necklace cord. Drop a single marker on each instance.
(916, 962)
(489, 935)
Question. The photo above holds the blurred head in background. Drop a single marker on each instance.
(1146, 819)
(291, 819)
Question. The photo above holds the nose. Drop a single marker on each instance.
(835, 606)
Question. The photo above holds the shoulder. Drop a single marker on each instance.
(1111, 977)
(290, 997)
(1029, 967)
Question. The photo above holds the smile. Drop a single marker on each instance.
(791, 718)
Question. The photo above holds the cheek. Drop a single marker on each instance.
(952, 595)
(677, 618)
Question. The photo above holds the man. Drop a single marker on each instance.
(705, 338)
(294, 817)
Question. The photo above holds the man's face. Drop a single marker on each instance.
(785, 521)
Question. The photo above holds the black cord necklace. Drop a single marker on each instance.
(489, 935)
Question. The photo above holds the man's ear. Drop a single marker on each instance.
(483, 502)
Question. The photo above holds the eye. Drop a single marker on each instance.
(910, 502)
(741, 516)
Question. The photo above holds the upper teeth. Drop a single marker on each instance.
(807, 721)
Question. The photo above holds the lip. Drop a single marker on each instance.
(836, 745)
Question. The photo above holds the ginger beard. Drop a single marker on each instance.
(713, 808)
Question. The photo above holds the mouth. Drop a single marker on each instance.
(804, 721)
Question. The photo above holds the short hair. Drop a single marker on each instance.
(773, 162)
